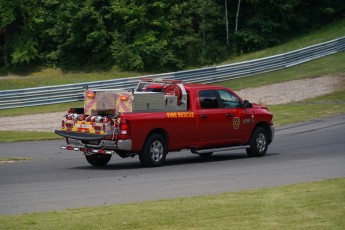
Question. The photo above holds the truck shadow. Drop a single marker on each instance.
(217, 157)
(173, 159)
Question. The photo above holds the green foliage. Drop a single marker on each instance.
(148, 35)
(270, 22)
(25, 50)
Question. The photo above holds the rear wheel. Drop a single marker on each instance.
(154, 151)
(97, 159)
(258, 143)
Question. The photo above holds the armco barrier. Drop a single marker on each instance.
(74, 92)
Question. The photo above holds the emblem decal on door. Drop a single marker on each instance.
(236, 122)
(246, 121)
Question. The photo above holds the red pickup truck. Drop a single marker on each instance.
(162, 116)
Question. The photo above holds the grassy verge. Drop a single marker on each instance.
(63, 107)
(323, 106)
(47, 77)
(318, 205)
(10, 159)
(14, 136)
(329, 65)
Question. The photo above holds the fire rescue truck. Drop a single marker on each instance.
(161, 116)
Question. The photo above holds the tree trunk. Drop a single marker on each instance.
(226, 22)
(237, 14)
(203, 32)
(236, 25)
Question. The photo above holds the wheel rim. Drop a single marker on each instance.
(261, 142)
(156, 151)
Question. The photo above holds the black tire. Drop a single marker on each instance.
(258, 143)
(97, 159)
(154, 151)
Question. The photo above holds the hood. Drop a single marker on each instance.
(257, 106)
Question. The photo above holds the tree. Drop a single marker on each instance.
(149, 35)
(85, 38)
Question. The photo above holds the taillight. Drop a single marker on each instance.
(105, 119)
(125, 128)
(69, 125)
(91, 95)
(81, 117)
(101, 151)
(124, 98)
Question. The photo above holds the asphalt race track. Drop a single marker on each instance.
(57, 179)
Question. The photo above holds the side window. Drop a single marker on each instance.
(208, 99)
(229, 100)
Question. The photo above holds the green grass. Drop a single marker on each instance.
(14, 136)
(318, 205)
(323, 106)
(63, 107)
(48, 77)
(329, 65)
(7, 159)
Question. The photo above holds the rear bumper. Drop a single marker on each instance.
(125, 145)
(80, 136)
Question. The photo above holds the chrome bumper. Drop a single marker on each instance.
(115, 145)
(125, 145)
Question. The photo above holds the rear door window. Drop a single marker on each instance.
(208, 99)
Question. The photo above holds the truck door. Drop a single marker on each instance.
(221, 119)
(238, 119)
(211, 118)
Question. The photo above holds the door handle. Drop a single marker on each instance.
(228, 115)
(203, 116)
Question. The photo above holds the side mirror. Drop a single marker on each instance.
(247, 104)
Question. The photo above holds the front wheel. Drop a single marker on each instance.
(97, 159)
(258, 143)
(154, 151)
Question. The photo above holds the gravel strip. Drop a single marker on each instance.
(292, 91)
(274, 94)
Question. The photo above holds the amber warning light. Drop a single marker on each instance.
(124, 98)
(91, 95)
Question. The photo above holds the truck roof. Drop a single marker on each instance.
(199, 86)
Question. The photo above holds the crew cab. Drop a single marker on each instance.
(161, 116)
